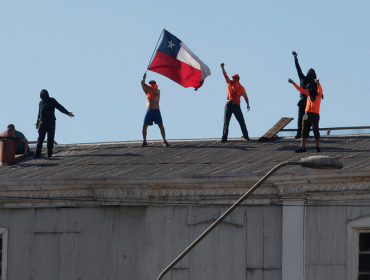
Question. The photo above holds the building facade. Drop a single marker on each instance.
(295, 226)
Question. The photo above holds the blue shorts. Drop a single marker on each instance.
(153, 116)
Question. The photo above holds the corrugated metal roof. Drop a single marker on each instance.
(203, 157)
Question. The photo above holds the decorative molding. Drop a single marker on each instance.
(39, 194)
(323, 187)
(184, 192)
(173, 190)
(340, 196)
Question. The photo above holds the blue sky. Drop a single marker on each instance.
(91, 55)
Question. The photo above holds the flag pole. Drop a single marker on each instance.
(150, 61)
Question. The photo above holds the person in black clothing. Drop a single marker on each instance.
(46, 121)
(304, 81)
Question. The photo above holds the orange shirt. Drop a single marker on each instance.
(234, 92)
(312, 106)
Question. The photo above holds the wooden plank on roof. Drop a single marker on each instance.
(283, 122)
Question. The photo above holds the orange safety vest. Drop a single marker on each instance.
(312, 106)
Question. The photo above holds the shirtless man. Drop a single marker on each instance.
(153, 114)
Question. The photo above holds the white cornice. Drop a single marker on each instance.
(327, 186)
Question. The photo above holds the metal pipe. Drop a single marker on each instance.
(310, 162)
(329, 128)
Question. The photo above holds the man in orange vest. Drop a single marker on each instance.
(312, 113)
(304, 80)
(235, 90)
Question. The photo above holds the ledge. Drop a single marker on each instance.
(332, 186)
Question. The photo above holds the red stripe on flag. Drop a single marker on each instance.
(177, 71)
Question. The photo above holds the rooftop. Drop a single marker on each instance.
(188, 158)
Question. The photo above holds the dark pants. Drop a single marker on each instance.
(49, 128)
(301, 110)
(311, 119)
(232, 108)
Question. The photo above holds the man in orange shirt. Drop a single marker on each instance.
(235, 90)
(312, 113)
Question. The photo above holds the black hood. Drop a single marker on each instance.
(309, 78)
(311, 75)
(44, 95)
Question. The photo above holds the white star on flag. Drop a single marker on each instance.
(170, 44)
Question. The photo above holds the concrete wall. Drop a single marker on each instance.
(326, 239)
(139, 242)
(325, 242)
(132, 242)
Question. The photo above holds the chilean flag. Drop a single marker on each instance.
(178, 63)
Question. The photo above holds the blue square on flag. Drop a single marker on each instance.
(170, 44)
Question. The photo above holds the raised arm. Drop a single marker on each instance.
(147, 88)
(224, 72)
(301, 90)
(299, 70)
(143, 85)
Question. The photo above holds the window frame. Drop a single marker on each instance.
(4, 265)
(354, 228)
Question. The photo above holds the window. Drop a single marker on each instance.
(364, 256)
(3, 253)
(358, 248)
